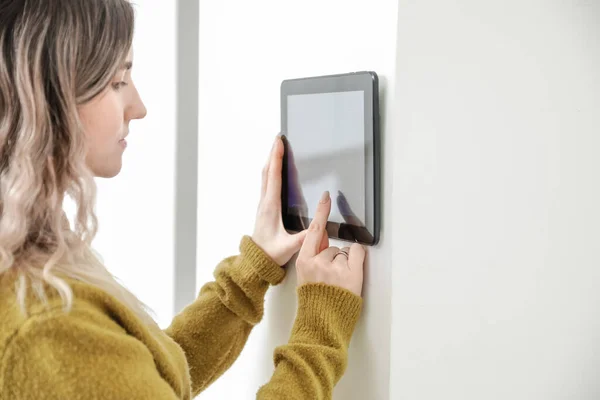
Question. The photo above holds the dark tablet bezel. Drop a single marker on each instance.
(368, 82)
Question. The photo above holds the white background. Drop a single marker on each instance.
(497, 201)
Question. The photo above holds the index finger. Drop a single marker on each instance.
(273, 189)
(316, 230)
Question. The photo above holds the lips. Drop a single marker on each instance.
(123, 142)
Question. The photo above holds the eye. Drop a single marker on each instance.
(119, 85)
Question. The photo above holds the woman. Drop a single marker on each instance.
(69, 330)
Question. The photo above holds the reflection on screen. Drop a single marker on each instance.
(326, 136)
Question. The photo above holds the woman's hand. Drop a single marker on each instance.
(319, 263)
(269, 233)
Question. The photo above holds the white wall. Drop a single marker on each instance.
(246, 50)
(497, 201)
(136, 209)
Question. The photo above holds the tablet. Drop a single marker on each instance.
(330, 129)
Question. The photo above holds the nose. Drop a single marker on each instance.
(136, 109)
(142, 111)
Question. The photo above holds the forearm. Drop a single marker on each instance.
(315, 358)
(213, 330)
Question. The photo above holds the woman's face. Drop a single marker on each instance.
(106, 120)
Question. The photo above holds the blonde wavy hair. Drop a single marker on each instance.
(55, 55)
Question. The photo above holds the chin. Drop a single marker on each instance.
(108, 171)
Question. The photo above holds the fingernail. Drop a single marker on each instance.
(325, 197)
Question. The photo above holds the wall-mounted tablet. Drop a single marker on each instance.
(330, 128)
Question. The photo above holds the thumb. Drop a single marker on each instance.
(296, 240)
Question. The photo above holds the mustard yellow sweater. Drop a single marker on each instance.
(101, 350)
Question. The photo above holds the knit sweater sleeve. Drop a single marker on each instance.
(79, 355)
(213, 330)
(315, 358)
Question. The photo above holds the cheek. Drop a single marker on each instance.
(102, 121)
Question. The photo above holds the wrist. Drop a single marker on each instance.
(266, 268)
(326, 313)
(268, 252)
